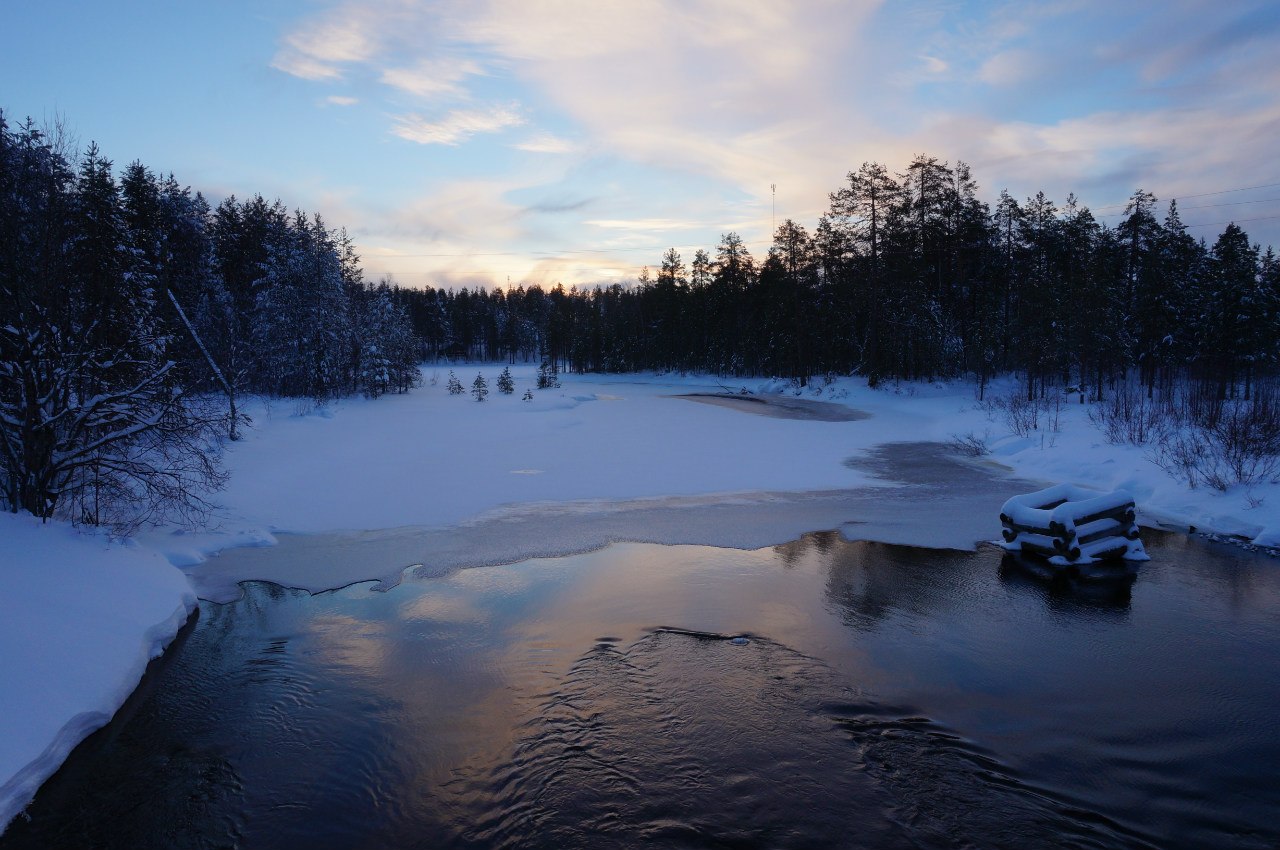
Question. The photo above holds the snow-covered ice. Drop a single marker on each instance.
(435, 481)
(431, 482)
(79, 620)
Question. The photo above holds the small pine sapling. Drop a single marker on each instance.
(528, 394)
(506, 385)
(455, 386)
(479, 388)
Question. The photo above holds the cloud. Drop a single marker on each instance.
(546, 143)
(459, 216)
(644, 224)
(431, 77)
(305, 67)
(560, 206)
(1007, 68)
(341, 100)
(316, 50)
(695, 107)
(458, 126)
(935, 66)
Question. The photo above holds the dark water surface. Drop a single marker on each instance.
(885, 697)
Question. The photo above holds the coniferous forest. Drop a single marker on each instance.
(133, 315)
(909, 276)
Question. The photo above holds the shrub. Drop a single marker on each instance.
(1024, 415)
(1222, 442)
(1128, 416)
(970, 445)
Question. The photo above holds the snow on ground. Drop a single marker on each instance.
(409, 468)
(431, 459)
(431, 482)
(1077, 453)
(437, 459)
(79, 620)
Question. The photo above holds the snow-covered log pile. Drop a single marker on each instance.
(1068, 525)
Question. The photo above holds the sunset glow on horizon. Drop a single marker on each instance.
(481, 143)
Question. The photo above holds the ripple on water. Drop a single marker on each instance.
(686, 740)
(534, 706)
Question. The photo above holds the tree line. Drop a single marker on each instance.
(909, 276)
(133, 315)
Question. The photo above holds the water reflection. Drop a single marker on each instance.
(1060, 592)
(871, 581)
(887, 697)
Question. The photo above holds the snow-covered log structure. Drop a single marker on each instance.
(1070, 525)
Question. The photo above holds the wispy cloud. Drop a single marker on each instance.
(341, 100)
(560, 206)
(431, 77)
(306, 67)
(546, 143)
(458, 126)
(318, 49)
(644, 224)
(681, 113)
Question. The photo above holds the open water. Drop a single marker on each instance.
(817, 694)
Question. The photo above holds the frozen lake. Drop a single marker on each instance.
(885, 697)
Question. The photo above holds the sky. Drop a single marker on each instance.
(487, 142)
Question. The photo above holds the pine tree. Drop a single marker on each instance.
(506, 385)
(548, 376)
(528, 394)
(479, 388)
(455, 386)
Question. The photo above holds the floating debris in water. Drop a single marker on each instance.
(739, 641)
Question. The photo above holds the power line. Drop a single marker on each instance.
(1231, 204)
(1226, 191)
(1208, 206)
(1235, 221)
(1202, 206)
(1199, 195)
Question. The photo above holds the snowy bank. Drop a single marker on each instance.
(79, 620)
(441, 480)
(434, 481)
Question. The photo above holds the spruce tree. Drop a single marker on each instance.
(479, 388)
(506, 385)
(528, 394)
(455, 386)
(548, 377)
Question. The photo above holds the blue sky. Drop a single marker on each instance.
(468, 142)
